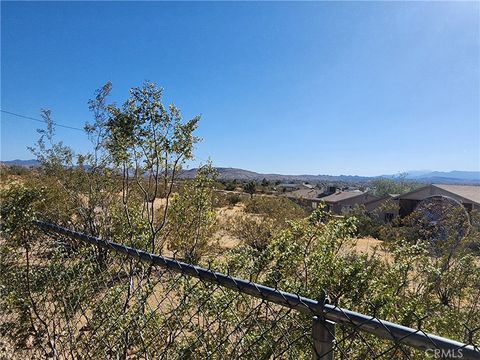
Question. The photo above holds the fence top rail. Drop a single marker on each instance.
(381, 328)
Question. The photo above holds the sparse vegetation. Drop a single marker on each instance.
(127, 190)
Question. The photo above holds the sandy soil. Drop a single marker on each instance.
(226, 240)
(371, 246)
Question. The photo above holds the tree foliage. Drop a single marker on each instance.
(383, 187)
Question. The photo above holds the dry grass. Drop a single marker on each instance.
(373, 247)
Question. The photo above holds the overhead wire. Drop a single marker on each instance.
(40, 120)
(64, 126)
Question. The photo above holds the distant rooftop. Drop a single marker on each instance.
(342, 195)
(289, 185)
(305, 193)
(469, 192)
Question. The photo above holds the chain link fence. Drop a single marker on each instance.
(94, 298)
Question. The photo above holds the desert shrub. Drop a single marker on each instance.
(13, 170)
(307, 256)
(374, 224)
(265, 216)
(138, 150)
(233, 199)
(223, 199)
(230, 186)
(252, 231)
(366, 224)
(279, 209)
(18, 208)
(192, 220)
(383, 187)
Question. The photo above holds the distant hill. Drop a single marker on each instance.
(225, 174)
(246, 175)
(452, 177)
(424, 176)
(22, 163)
(460, 175)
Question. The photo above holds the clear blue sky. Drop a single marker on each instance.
(321, 88)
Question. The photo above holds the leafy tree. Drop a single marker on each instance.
(148, 143)
(230, 186)
(382, 187)
(250, 188)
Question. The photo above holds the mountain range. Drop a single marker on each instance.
(424, 176)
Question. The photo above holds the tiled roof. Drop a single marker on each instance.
(469, 192)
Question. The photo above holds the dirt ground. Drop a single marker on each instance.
(370, 246)
(226, 240)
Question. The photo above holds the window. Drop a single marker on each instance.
(346, 208)
(389, 217)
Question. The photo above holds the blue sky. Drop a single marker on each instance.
(363, 88)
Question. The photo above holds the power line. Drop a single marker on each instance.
(40, 120)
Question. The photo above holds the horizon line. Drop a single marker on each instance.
(397, 174)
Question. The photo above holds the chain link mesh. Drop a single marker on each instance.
(91, 300)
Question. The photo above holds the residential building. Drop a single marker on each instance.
(343, 201)
(308, 198)
(291, 187)
(384, 208)
(468, 195)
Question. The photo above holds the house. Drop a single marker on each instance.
(468, 195)
(343, 201)
(308, 198)
(291, 187)
(385, 208)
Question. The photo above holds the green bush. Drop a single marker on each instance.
(279, 209)
(256, 232)
(223, 199)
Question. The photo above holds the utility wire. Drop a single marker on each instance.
(40, 120)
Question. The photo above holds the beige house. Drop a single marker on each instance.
(343, 201)
(308, 198)
(468, 195)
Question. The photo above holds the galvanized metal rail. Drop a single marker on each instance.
(317, 309)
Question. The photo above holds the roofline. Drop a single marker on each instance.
(413, 191)
(460, 196)
(350, 197)
(436, 185)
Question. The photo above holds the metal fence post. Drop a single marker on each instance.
(323, 334)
